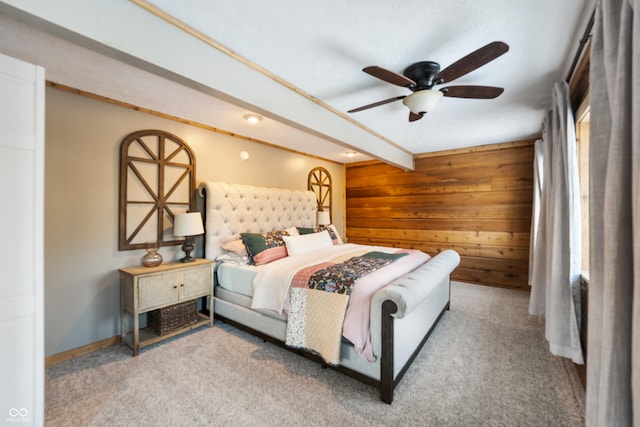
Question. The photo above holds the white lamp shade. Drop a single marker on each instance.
(323, 218)
(187, 224)
(422, 101)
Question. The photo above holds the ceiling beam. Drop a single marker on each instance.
(133, 35)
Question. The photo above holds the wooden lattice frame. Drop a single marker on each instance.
(149, 166)
(319, 181)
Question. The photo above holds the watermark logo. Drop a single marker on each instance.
(18, 415)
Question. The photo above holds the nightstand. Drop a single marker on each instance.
(143, 289)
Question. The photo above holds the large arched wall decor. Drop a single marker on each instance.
(319, 181)
(157, 180)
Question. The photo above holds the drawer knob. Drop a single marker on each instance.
(175, 287)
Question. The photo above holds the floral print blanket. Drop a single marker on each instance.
(319, 300)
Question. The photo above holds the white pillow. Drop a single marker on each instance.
(307, 242)
(293, 231)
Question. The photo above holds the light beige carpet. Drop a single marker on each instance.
(486, 363)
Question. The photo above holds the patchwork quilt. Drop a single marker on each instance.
(319, 298)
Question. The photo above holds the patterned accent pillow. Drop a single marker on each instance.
(264, 248)
(333, 232)
(335, 237)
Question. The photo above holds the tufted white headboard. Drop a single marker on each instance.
(231, 209)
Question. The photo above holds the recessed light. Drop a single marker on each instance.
(252, 118)
(351, 154)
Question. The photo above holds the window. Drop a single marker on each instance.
(582, 136)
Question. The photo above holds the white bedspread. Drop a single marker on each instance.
(272, 284)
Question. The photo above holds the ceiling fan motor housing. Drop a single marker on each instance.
(423, 73)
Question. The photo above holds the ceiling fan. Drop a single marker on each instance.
(421, 77)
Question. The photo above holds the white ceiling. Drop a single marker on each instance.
(298, 63)
(321, 47)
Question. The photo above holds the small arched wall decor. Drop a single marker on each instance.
(319, 181)
(157, 180)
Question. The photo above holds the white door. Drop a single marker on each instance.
(21, 242)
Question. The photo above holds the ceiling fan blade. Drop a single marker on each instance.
(376, 104)
(389, 76)
(413, 117)
(477, 92)
(472, 61)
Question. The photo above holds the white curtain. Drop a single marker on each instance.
(537, 193)
(613, 345)
(555, 279)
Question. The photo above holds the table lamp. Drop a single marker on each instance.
(323, 219)
(188, 225)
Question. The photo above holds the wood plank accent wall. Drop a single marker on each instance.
(476, 201)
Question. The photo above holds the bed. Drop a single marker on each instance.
(371, 331)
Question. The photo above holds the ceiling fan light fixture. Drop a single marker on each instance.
(423, 101)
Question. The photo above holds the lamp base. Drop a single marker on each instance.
(187, 248)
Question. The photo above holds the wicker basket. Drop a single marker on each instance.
(169, 319)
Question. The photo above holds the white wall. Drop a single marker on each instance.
(81, 189)
(83, 137)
